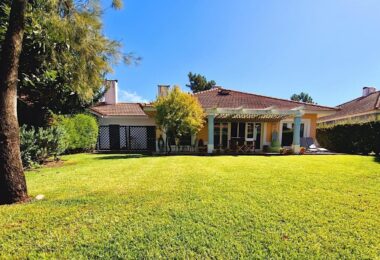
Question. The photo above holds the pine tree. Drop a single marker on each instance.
(302, 97)
(197, 83)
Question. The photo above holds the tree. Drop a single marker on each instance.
(179, 114)
(302, 97)
(12, 180)
(64, 58)
(199, 83)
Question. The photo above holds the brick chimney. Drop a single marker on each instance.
(368, 90)
(110, 97)
(163, 90)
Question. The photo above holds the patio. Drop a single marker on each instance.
(247, 131)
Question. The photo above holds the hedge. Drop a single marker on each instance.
(351, 138)
(77, 133)
(82, 131)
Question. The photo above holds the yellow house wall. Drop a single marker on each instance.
(271, 126)
(158, 132)
(203, 134)
(313, 124)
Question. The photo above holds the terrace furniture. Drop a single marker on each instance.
(202, 148)
(233, 145)
(312, 145)
(250, 146)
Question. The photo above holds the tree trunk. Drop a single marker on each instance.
(12, 178)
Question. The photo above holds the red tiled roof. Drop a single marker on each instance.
(360, 105)
(224, 98)
(119, 109)
(214, 98)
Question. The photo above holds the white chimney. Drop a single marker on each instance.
(110, 97)
(163, 90)
(368, 90)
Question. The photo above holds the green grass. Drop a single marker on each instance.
(112, 206)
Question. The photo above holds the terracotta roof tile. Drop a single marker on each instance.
(119, 109)
(216, 97)
(359, 105)
(225, 98)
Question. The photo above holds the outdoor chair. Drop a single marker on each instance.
(250, 146)
(312, 145)
(233, 145)
(202, 148)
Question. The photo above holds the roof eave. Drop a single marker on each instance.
(348, 116)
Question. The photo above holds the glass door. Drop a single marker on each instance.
(238, 133)
(224, 135)
(287, 133)
(254, 134)
(221, 135)
(217, 135)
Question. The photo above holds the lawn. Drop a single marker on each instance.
(115, 206)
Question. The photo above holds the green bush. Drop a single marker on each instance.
(37, 145)
(275, 145)
(82, 131)
(351, 138)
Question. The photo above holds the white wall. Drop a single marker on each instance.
(127, 121)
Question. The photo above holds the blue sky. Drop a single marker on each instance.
(328, 48)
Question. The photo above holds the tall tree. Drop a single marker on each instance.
(197, 82)
(12, 180)
(302, 97)
(179, 113)
(64, 58)
(80, 67)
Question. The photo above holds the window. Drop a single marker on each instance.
(216, 135)
(250, 130)
(287, 133)
(254, 133)
(238, 133)
(258, 136)
(220, 135)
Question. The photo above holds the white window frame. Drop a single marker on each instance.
(246, 131)
(254, 133)
(221, 131)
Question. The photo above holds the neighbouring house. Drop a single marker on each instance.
(365, 108)
(233, 118)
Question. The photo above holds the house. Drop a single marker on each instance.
(233, 117)
(365, 108)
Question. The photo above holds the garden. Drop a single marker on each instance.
(130, 206)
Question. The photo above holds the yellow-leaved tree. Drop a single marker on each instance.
(179, 113)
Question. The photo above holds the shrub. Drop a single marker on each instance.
(37, 145)
(82, 131)
(286, 151)
(275, 145)
(351, 138)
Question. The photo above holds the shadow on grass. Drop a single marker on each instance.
(377, 159)
(121, 156)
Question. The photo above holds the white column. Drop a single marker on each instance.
(210, 143)
(296, 134)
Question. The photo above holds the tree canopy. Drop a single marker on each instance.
(52, 45)
(179, 113)
(302, 97)
(197, 82)
(65, 58)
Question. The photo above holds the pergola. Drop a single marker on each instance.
(270, 114)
